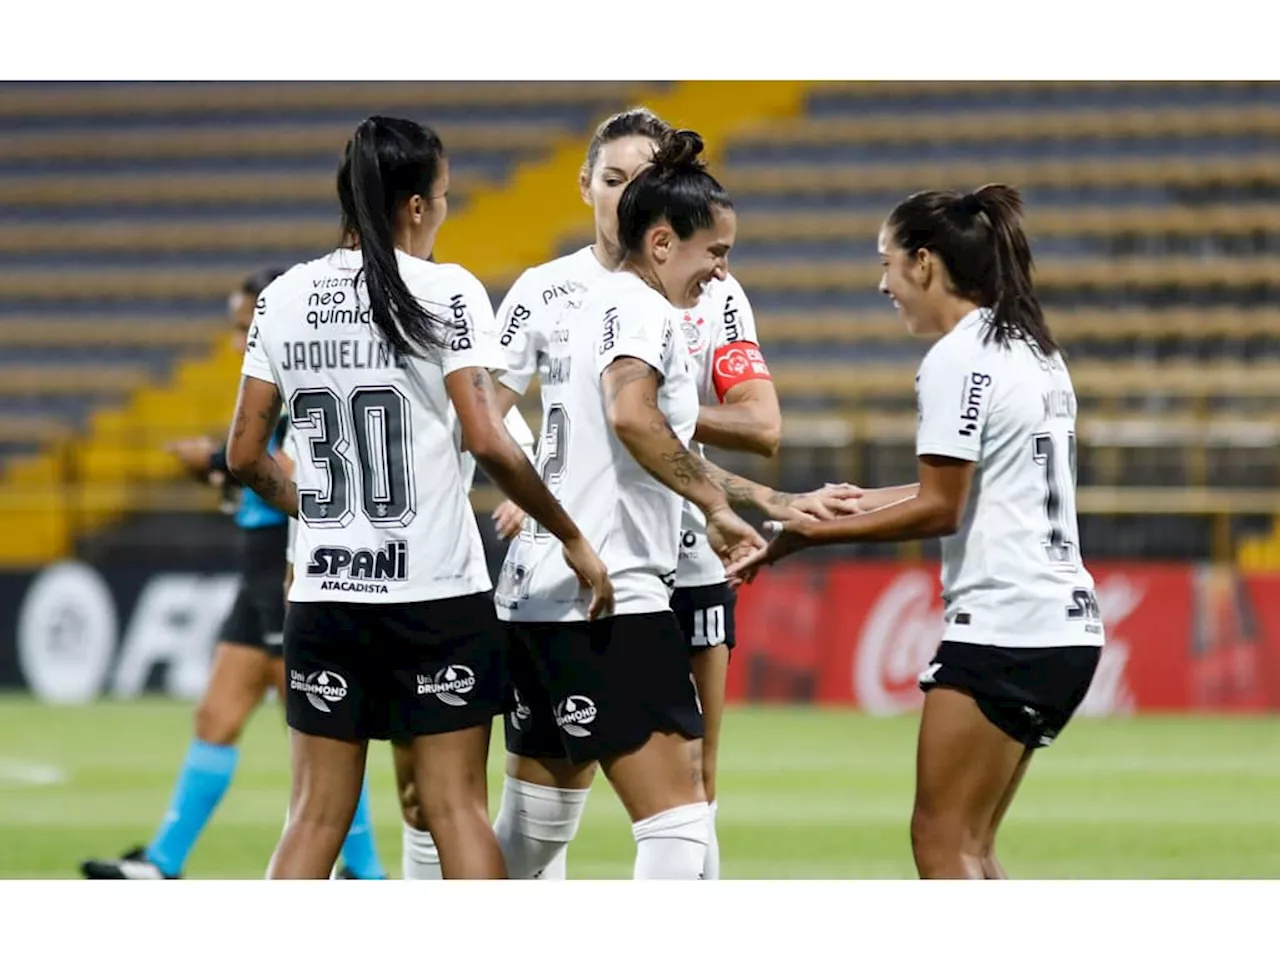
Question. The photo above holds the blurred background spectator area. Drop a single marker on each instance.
(129, 212)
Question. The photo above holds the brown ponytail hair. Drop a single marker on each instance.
(979, 237)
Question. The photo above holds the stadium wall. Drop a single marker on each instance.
(1181, 637)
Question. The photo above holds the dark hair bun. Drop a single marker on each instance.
(678, 153)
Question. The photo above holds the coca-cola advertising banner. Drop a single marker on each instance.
(1179, 637)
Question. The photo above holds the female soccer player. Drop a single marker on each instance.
(739, 410)
(390, 632)
(247, 661)
(620, 405)
(997, 455)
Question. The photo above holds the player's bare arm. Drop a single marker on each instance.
(631, 400)
(257, 411)
(935, 510)
(749, 419)
(878, 497)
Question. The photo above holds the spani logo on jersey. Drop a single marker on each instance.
(450, 684)
(322, 687)
(971, 399)
(574, 714)
(360, 571)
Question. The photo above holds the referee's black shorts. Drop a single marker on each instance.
(256, 619)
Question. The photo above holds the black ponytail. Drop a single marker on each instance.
(675, 187)
(979, 237)
(386, 162)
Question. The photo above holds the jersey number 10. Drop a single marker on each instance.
(379, 420)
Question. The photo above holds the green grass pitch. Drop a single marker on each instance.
(804, 793)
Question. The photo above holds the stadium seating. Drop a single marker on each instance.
(127, 213)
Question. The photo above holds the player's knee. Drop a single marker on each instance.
(218, 723)
(410, 808)
(939, 836)
(932, 832)
(535, 823)
(440, 809)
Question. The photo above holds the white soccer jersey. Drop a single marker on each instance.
(383, 510)
(1012, 575)
(631, 519)
(723, 351)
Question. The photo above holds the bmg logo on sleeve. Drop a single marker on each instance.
(972, 397)
(609, 336)
(461, 323)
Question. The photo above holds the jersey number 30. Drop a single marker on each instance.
(378, 418)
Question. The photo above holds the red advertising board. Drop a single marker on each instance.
(1179, 637)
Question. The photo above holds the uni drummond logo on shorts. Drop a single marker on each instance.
(322, 687)
(574, 714)
(449, 685)
(521, 715)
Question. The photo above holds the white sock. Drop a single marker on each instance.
(534, 827)
(558, 867)
(711, 866)
(419, 858)
(672, 845)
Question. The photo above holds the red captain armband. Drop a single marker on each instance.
(736, 363)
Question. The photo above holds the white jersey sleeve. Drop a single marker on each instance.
(954, 390)
(257, 362)
(643, 334)
(473, 331)
(518, 333)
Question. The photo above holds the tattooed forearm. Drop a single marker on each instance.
(265, 478)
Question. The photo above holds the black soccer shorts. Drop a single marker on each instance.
(705, 615)
(588, 691)
(377, 671)
(1030, 693)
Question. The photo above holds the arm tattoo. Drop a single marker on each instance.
(687, 467)
(628, 370)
